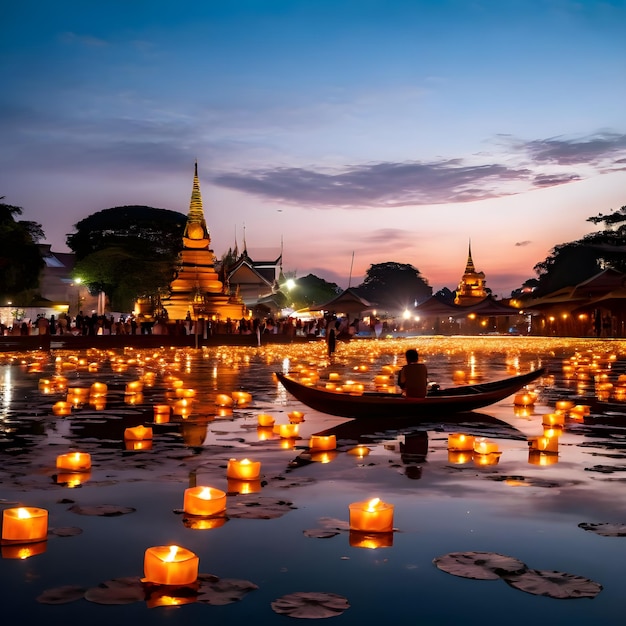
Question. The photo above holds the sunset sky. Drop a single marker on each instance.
(394, 130)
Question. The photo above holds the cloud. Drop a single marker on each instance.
(523, 243)
(591, 150)
(551, 180)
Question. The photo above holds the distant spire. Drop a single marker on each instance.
(245, 245)
(236, 250)
(469, 268)
(196, 213)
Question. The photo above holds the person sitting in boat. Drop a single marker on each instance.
(413, 377)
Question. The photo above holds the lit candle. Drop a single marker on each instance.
(323, 442)
(62, 408)
(74, 461)
(484, 446)
(134, 386)
(544, 444)
(373, 516)
(138, 433)
(334, 376)
(241, 397)
(295, 417)
(265, 420)
(24, 524)
(183, 406)
(459, 441)
(162, 413)
(288, 430)
(185, 393)
(244, 469)
(223, 399)
(553, 419)
(524, 399)
(204, 501)
(564, 405)
(170, 565)
(98, 389)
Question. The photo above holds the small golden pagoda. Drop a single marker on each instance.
(197, 291)
(471, 289)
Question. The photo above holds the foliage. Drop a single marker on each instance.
(20, 259)
(311, 290)
(571, 263)
(394, 287)
(128, 252)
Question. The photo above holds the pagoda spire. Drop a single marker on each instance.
(196, 232)
(469, 267)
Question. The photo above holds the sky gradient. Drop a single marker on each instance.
(389, 129)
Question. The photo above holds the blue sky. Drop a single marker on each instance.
(394, 130)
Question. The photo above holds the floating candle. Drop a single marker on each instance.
(371, 516)
(484, 446)
(295, 417)
(74, 461)
(62, 408)
(244, 469)
(460, 441)
(162, 413)
(288, 430)
(359, 451)
(204, 501)
(553, 419)
(323, 442)
(544, 444)
(223, 399)
(24, 524)
(170, 565)
(265, 420)
(138, 433)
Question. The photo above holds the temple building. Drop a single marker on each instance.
(471, 289)
(196, 291)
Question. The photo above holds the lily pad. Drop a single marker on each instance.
(320, 533)
(62, 595)
(259, 508)
(105, 510)
(117, 591)
(559, 585)
(479, 565)
(311, 605)
(220, 591)
(606, 529)
(65, 531)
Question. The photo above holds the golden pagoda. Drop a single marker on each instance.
(471, 289)
(197, 291)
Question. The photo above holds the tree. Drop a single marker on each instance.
(571, 263)
(394, 287)
(20, 259)
(128, 252)
(310, 290)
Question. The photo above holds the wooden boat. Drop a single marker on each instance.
(440, 402)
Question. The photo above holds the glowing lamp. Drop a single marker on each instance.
(370, 541)
(544, 444)
(244, 469)
(74, 461)
(371, 516)
(162, 413)
(459, 441)
(458, 376)
(62, 408)
(241, 397)
(170, 565)
(24, 524)
(134, 386)
(182, 406)
(334, 376)
(264, 432)
(524, 399)
(138, 433)
(484, 446)
(295, 417)
(133, 398)
(223, 399)
(265, 420)
(535, 457)
(185, 393)
(323, 442)
(553, 419)
(204, 501)
(381, 380)
(98, 389)
(288, 430)
(579, 411)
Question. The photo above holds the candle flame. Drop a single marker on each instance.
(205, 494)
(23, 513)
(171, 555)
(373, 504)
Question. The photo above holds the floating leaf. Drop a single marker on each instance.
(559, 585)
(320, 533)
(219, 591)
(259, 508)
(105, 510)
(65, 531)
(479, 565)
(606, 529)
(311, 605)
(333, 523)
(117, 591)
(62, 595)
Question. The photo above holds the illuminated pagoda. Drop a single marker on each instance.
(197, 291)
(471, 289)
